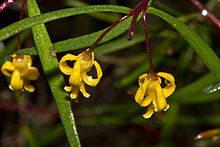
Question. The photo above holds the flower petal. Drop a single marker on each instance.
(89, 80)
(160, 101)
(75, 77)
(139, 96)
(83, 90)
(7, 68)
(74, 92)
(169, 88)
(146, 101)
(31, 73)
(63, 64)
(68, 88)
(16, 81)
(28, 86)
(150, 111)
(142, 78)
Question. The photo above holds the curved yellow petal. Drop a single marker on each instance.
(63, 64)
(169, 88)
(150, 111)
(89, 80)
(146, 101)
(13, 55)
(68, 88)
(16, 81)
(7, 68)
(139, 96)
(166, 76)
(142, 78)
(28, 87)
(30, 73)
(160, 102)
(75, 77)
(83, 90)
(74, 92)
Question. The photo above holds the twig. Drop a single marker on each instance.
(209, 15)
(6, 4)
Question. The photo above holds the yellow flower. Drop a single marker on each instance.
(20, 71)
(151, 94)
(78, 74)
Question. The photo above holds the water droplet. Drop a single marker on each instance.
(204, 12)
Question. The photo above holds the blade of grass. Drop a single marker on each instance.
(54, 15)
(193, 89)
(32, 142)
(110, 18)
(51, 135)
(55, 78)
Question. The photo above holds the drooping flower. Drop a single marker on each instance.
(151, 94)
(79, 72)
(21, 72)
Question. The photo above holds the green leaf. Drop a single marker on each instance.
(82, 41)
(51, 135)
(51, 16)
(193, 92)
(207, 55)
(32, 142)
(54, 76)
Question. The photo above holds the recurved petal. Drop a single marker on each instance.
(141, 79)
(31, 73)
(150, 111)
(28, 86)
(166, 76)
(139, 96)
(146, 100)
(89, 80)
(160, 101)
(68, 88)
(83, 90)
(98, 69)
(75, 77)
(74, 92)
(7, 68)
(64, 67)
(169, 88)
(16, 81)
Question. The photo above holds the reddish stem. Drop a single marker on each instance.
(108, 30)
(209, 15)
(135, 13)
(147, 43)
(6, 4)
(26, 108)
(36, 110)
(19, 34)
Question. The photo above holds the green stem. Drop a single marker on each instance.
(54, 76)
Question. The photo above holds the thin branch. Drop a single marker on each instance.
(6, 4)
(19, 34)
(26, 108)
(209, 15)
